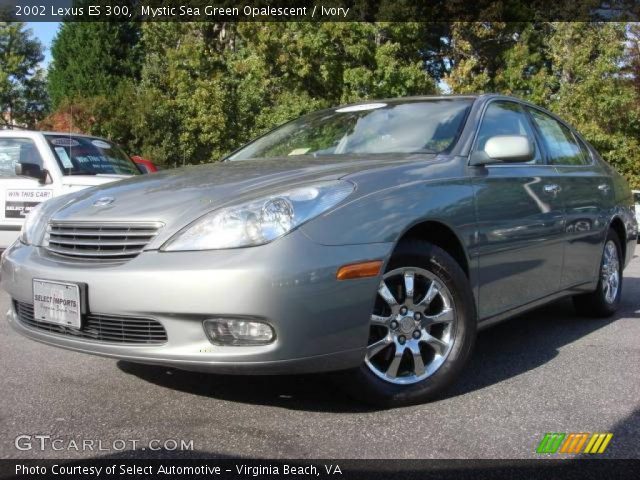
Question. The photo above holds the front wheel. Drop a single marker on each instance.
(422, 329)
(605, 300)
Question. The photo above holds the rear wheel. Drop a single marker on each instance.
(422, 329)
(605, 300)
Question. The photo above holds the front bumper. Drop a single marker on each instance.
(321, 323)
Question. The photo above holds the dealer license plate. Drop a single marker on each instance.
(57, 302)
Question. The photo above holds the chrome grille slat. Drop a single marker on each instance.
(103, 233)
(100, 328)
(141, 331)
(97, 243)
(93, 241)
(146, 332)
(118, 322)
(88, 253)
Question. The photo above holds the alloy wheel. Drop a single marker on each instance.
(412, 326)
(610, 273)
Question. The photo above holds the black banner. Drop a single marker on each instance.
(123, 468)
(319, 10)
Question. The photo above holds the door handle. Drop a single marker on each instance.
(552, 188)
(604, 188)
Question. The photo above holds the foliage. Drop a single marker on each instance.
(22, 84)
(90, 59)
(590, 93)
(192, 92)
(211, 87)
(587, 73)
(72, 117)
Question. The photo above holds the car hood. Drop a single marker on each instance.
(177, 197)
(90, 180)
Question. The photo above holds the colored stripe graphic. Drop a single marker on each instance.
(598, 443)
(574, 442)
(550, 442)
(571, 443)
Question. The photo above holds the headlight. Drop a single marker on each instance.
(259, 221)
(32, 226)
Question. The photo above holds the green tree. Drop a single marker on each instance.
(95, 70)
(23, 97)
(476, 54)
(183, 92)
(586, 72)
(92, 59)
(590, 91)
(633, 57)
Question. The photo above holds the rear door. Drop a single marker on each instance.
(18, 194)
(520, 219)
(587, 193)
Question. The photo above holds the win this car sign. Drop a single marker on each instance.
(18, 203)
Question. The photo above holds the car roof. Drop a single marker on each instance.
(34, 133)
(485, 97)
(400, 100)
(413, 98)
(395, 101)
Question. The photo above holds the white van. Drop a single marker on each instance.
(36, 166)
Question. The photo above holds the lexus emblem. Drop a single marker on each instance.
(102, 201)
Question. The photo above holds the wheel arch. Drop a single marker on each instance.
(441, 235)
(617, 225)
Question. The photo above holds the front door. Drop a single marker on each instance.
(520, 220)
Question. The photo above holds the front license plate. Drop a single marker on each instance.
(57, 302)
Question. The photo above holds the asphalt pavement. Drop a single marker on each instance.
(547, 371)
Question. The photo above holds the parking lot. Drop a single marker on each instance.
(547, 371)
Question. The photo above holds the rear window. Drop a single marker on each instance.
(562, 147)
(90, 156)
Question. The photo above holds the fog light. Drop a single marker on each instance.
(230, 331)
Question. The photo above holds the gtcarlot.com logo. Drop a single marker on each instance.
(574, 443)
(47, 442)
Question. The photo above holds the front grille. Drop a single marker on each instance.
(93, 241)
(100, 328)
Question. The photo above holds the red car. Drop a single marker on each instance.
(145, 166)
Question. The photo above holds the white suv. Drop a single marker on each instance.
(36, 166)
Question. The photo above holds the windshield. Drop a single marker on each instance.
(422, 126)
(90, 156)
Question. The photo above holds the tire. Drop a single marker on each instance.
(442, 337)
(600, 303)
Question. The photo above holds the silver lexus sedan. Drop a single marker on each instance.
(372, 239)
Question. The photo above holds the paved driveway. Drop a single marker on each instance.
(547, 371)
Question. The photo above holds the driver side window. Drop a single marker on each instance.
(506, 118)
(17, 150)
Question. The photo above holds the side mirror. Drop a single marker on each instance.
(32, 170)
(504, 149)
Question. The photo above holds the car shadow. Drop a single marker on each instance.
(313, 392)
(503, 351)
(529, 341)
